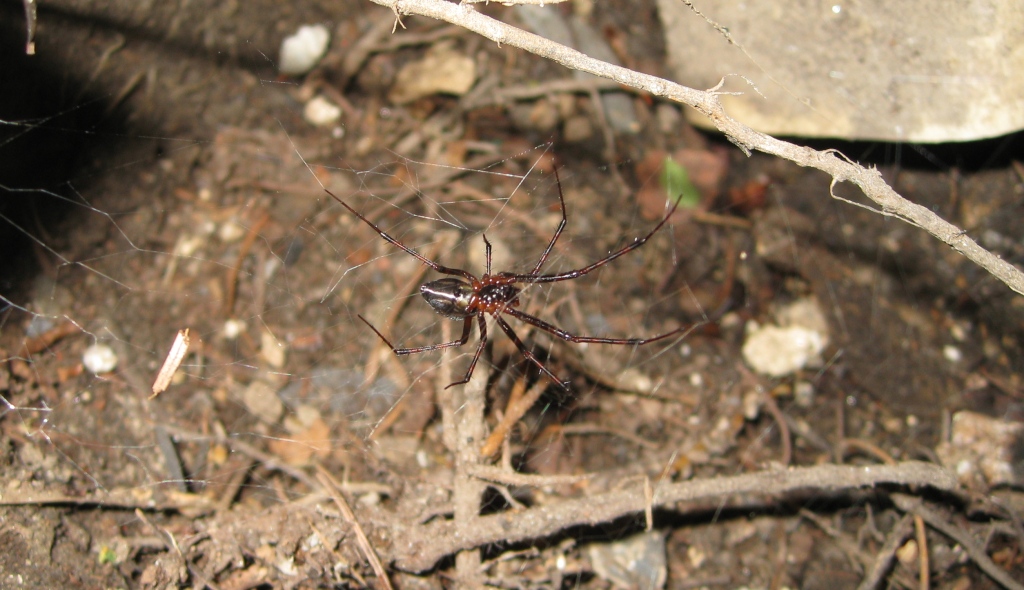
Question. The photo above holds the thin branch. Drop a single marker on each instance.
(468, 409)
(977, 552)
(924, 569)
(883, 561)
(167, 537)
(515, 478)
(531, 90)
(114, 498)
(515, 410)
(514, 2)
(870, 181)
(332, 488)
(419, 548)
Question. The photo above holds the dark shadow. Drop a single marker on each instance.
(968, 156)
(50, 131)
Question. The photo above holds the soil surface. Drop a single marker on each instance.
(158, 175)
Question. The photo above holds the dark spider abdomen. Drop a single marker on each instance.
(449, 297)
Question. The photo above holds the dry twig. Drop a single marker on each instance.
(516, 409)
(174, 357)
(883, 561)
(514, 478)
(364, 544)
(171, 543)
(924, 567)
(466, 407)
(49, 338)
(243, 251)
(420, 547)
(916, 507)
(841, 169)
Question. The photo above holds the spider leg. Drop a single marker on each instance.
(556, 331)
(476, 356)
(574, 274)
(487, 246)
(466, 326)
(441, 269)
(526, 352)
(558, 232)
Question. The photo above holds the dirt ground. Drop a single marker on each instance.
(158, 175)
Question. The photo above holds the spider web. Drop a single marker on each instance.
(127, 232)
(268, 274)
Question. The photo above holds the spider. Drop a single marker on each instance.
(463, 296)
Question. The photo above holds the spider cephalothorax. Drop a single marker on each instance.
(463, 296)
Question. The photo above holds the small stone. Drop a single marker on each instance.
(577, 129)
(959, 331)
(231, 231)
(441, 71)
(795, 342)
(696, 555)
(952, 353)
(907, 554)
(803, 394)
(983, 450)
(752, 404)
(369, 499)
(634, 562)
(321, 112)
(262, 401)
(233, 328)
(303, 50)
(777, 351)
(99, 358)
(272, 350)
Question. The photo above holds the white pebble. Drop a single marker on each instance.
(776, 351)
(321, 112)
(803, 394)
(752, 404)
(187, 245)
(794, 343)
(231, 231)
(99, 358)
(959, 331)
(370, 499)
(301, 51)
(952, 353)
(233, 329)
(983, 450)
(272, 350)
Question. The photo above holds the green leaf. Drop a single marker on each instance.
(107, 556)
(677, 184)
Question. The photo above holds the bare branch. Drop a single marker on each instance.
(514, 2)
(973, 548)
(868, 180)
(419, 548)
